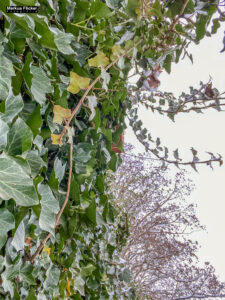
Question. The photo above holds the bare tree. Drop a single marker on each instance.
(159, 252)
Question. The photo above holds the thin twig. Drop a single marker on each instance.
(41, 246)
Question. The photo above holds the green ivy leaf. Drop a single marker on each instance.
(215, 26)
(16, 184)
(113, 3)
(49, 209)
(59, 169)
(4, 128)
(99, 9)
(91, 212)
(63, 41)
(41, 84)
(8, 275)
(201, 27)
(19, 237)
(7, 223)
(31, 295)
(35, 121)
(13, 105)
(6, 73)
(19, 138)
(26, 273)
(131, 8)
(87, 271)
(35, 162)
(79, 285)
(51, 282)
(100, 183)
(82, 152)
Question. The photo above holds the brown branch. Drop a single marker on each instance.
(41, 246)
(193, 108)
(82, 100)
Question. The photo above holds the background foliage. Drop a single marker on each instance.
(64, 97)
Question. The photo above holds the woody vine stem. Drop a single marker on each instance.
(42, 244)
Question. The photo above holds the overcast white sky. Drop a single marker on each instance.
(205, 132)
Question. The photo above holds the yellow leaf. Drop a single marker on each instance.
(47, 249)
(56, 139)
(117, 50)
(60, 114)
(77, 83)
(68, 287)
(100, 60)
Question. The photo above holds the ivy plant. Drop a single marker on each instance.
(64, 96)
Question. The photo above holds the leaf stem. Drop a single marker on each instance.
(92, 16)
(18, 69)
(80, 26)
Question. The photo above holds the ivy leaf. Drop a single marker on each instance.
(56, 139)
(41, 296)
(87, 270)
(113, 3)
(31, 295)
(35, 121)
(83, 152)
(99, 9)
(6, 73)
(106, 78)
(26, 69)
(117, 51)
(100, 183)
(4, 128)
(63, 40)
(60, 114)
(176, 154)
(8, 275)
(68, 287)
(49, 209)
(215, 26)
(91, 212)
(77, 83)
(132, 7)
(16, 184)
(26, 273)
(19, 237)
(128, 35)
(79, 285)
(51, 282)
(201, 25)
(35, 161)
(19, 138)
(7, 223)
(41, 84)
(92, 103)
(100, 60)
(47, 249)
(59, 169)
(13, 105)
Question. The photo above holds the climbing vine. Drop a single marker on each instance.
(64, 95)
